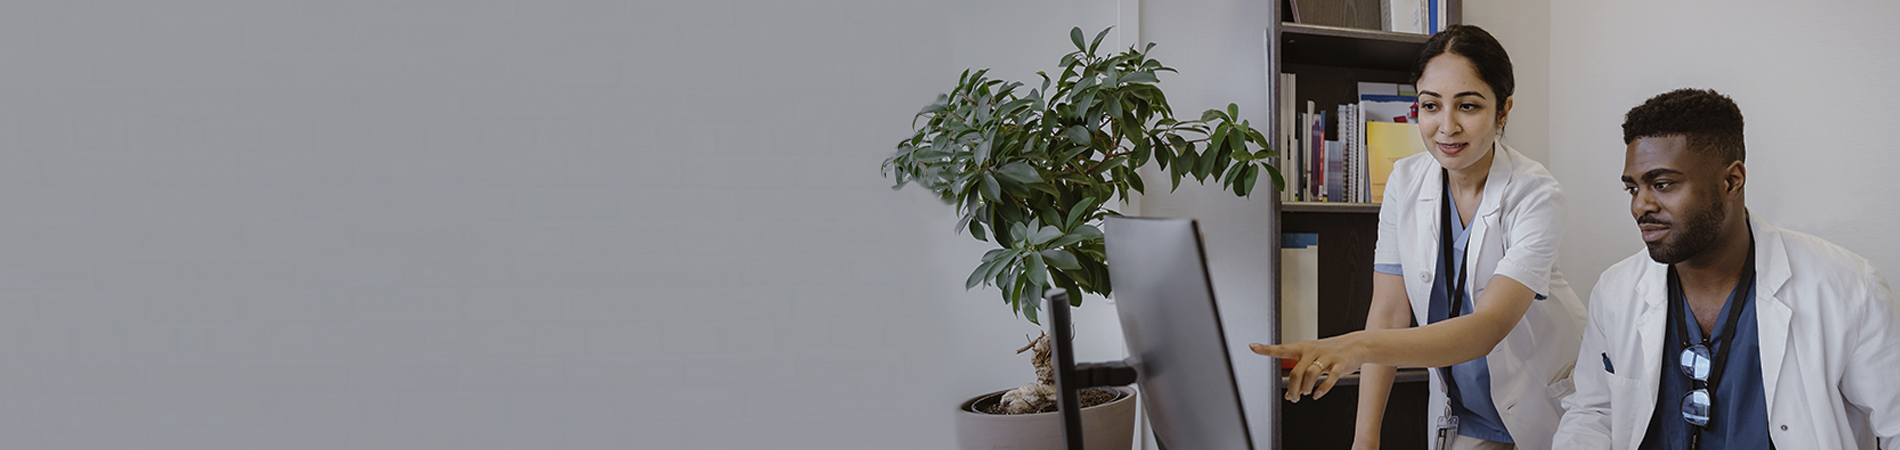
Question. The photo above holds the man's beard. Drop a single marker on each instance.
(1689, 238)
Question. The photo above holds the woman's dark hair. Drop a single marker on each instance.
(1486, 54)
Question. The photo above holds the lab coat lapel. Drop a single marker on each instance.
(1653, 314)
(1430, 190)
(1487, 216)
(1772, 316)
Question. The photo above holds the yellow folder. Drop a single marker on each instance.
(1386, 143)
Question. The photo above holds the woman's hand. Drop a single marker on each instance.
(1334, 357)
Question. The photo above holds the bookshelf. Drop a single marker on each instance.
(1329, 61)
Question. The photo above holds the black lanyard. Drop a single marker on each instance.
(1738, 300)
(1455, 290)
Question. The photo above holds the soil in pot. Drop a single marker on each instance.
(1089, 397)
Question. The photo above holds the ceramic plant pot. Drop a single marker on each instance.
(1108, 426)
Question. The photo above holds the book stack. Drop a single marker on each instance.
(1368, 137)
(1415, 16)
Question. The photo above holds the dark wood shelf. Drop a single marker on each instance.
(1329, 207)
(1355, 33)
(1349, 47)
(1330, 60)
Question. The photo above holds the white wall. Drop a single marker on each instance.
(492, 224)
(1813, 79)
(1524, 29)
(1217, 46)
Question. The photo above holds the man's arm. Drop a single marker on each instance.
(1586, 421)
(1867, 382)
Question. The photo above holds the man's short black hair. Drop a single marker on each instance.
(1709, 120)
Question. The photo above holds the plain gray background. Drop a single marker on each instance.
(602, 224)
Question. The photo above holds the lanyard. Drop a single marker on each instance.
(1737, 300)
(1454, 290)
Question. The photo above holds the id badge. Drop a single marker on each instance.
(1447, 430)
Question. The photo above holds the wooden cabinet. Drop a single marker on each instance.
(1329, 62)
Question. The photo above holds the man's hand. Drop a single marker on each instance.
(1333, 357)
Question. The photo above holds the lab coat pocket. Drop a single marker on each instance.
(1560, 389)
(1624, 405)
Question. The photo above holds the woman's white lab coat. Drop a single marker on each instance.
(1518, 228)
(1828, 334)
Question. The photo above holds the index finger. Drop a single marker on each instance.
(1277, 351)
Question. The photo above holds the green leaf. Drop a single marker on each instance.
(1182, 163)
(1220, 137)
(1210, 115)
(1189, 161)
(1206, 164)
(1021, 172)
(991, 191)
(1243, 156)
(1246, 186)
(1038, 273)
(1140, 77)
(1075, 34)
(1089, 232)
(1061, 259)
(1065, 240)
(1079, 212)
(1001, 263)
(1098, 39)
(981, 274)
(1044, 235)
(1235, 139)
(1077, 134)
(1228, 180)
(1144, 150)
(1279, 184)
(1233, 110)
(1031, 297)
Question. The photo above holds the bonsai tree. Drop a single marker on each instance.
(1031, 169)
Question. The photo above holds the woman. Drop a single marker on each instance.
(1468, 237)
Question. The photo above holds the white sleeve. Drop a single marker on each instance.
(1537, 228)
(1586, 421)
(1867, 382)
(1386, 249)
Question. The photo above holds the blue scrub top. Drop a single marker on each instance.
(1740, 416)
(1469, 386)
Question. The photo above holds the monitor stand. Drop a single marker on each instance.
(1071, 378)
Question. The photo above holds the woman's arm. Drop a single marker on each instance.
(1390, 310)
(1441, 344)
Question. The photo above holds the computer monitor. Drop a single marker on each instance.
(1173, 329)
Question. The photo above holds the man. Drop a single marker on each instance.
(1730, 333)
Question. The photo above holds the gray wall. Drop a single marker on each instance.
(1812, 79)
(492, 224)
